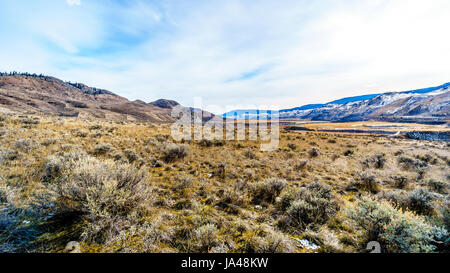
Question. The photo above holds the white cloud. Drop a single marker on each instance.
(73, 2)
(306, 51)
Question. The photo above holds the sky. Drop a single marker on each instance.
(234, 54)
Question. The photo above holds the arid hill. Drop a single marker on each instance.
(43, 94)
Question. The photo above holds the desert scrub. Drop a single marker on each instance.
(106, 196)
(376, 161)
(366, 182)
(143, 238)
(267, 190)
(172, 152)
(397, 231)
(420, 200)
(49, 141)
(24, 144)
(205, 237)
(310, 206)
(8, 156)
(265, 240)
(102, 149)
(131, 155)
(411, 163)
(438, 186)
(314, 152)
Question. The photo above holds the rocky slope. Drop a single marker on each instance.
(38, 93)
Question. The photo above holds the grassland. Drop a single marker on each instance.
(128, 187)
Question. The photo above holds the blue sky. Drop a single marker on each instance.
(231, 53)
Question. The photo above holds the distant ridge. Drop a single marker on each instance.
(428, 105)
(25, 92)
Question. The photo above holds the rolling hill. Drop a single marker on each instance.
(44, 94)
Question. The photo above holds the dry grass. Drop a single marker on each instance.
(128, 187)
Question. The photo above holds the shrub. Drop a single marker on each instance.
(103, 148)
(376, 161)
(30, 121)
(408, 234)
(53, 166)
(265, 241)
(250, 154)
(267, 190)
(438, 186)
(419, 200)
(301, 165)
(79, 133)
(397, 198)
(369, 183)
(8, 156)
(412, 164)
(206, 237)
(95, 127)
(292, 146)
(314, 152)
(401, 182)
(131, 155)
(172, 152)
(102, 193)
(183, 182)
(348, 152)
(221, 170)
(49, 141)
(24, 144)
(397, 231)
(366, 182)
(313, 205)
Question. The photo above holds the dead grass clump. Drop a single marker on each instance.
(183, 182)
(205, 237)
(131, 155)
(79, 133)
(49, 141)
(24, 144)
(8, 156)
(265, 241)
(172, 152)
(301, 165)
(102, 149)
(30, 121)
(267, 190)
(366, 182)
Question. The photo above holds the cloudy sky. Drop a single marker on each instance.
(231, 53)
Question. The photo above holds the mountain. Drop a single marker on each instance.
(427, 105)
(45, 94)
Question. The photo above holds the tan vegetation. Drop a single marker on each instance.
(128, 187)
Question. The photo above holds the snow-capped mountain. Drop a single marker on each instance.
(428, 105)
(433, 106)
